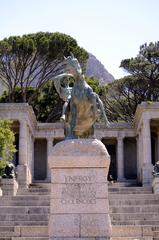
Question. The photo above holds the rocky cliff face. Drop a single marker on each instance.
(95, 68)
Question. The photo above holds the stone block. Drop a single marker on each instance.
(84, 175)
(147, 174)
(34, 231)
(64, 225)
(155, 185)
(126, 231)
(89, 190)
(59, 206)
(74, 238)
(95, 225)
(22, 176)
(9, 186)
(147, 231)
(77, 162)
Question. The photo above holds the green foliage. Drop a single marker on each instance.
(2, 167)
(33, 59)
(48, 105)
(145, 68)
(94, 83)
(142, 84)
(7, 147)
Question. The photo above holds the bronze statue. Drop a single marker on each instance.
(155, 171)
(61, 83)
(82, 106)
(9, 171)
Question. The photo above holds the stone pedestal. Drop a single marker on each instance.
(79, 191)
(155, 185)
(9, 186)
(147, 174)
(22, 176)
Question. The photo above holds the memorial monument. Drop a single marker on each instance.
(79, 165)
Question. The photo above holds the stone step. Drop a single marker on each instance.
(135, 209)
(24, 217)
(136, 222)
(125, 183)
(124, 202)
(41, 183)
(24, 203)
(5, 238)
(39, 190)
(6, 229)
(113, 238)
(24, 210)
(32, 231)
(7, 234)
(136, 188)
(29, 238)
(33, 191)
(133, 238)
(134, 216)
(155, 228)
(133, 196)
(130, 188)
(156, 234)
(132, 231)
(119, 191)
(41, 186)
(23, 223)
(29, 193)
(25, 197)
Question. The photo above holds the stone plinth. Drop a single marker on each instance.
(9, 186)
(79, 191)
(22, 176)
(155, 185)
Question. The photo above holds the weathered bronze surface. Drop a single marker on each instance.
(82, 106)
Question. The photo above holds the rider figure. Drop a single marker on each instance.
(61, 83)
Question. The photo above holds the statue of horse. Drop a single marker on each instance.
(84, 106)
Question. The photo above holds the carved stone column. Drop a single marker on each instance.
(139, 156)
(22, 168)
(49, 149)
(120, 159)
(146, 147)
(23, 143)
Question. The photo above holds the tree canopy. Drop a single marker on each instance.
(48, 105)
(145, 67)
(142, 84)
(33, 59)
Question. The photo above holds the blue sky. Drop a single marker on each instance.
(110, 29)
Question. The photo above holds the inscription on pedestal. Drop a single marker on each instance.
(78, 190)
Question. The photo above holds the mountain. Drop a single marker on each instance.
(95, 68)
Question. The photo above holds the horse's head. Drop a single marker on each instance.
(72, 65)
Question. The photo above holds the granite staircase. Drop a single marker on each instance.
(134, 213)
(25, 216)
